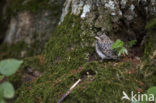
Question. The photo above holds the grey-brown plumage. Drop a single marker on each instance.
(103, 47)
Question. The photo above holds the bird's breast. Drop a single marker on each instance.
(99, 52)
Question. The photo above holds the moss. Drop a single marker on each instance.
(108, 83)
(15, 50)
(65, 42)
(64, 54)
(12, 50)
(66, 61)
(35, 63)
(150, 44)
(151, 25)
(32, 5)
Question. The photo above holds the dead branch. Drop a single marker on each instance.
(68, 92)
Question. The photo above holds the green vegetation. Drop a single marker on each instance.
(69, 56)
(67, 59)
(150, 44)
(64, 54)
(152, 90)
(131, 43)
(15, 50)
(7, 68)
(12, 50)
(31, 5)
(151, 25)
(119, 47)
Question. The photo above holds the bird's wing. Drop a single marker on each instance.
(106, 49)
(110, 54)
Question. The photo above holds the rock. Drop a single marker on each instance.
(34, 24)
(29, 27)
(106, 15)
(20, 28)
(86, 9)
(11, 31)
(65, 10)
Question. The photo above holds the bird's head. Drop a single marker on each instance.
(101, 38)
(98, 38)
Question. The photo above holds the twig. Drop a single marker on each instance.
(68, 92)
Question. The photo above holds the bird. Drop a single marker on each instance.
(104, 47)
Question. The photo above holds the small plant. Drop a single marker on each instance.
(7, 68)
(131, 43)
(119, 47)
(152, 90)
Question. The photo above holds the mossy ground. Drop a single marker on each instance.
(150, 44)
(66, 60)
(15, 50)
(12, 50)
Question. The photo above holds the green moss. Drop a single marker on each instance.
(15, 50)
(15, 6)
(150, 44)
(108, 83)
(66, 61)
(151, 25)
(12, 50)
(68, 41)
(35, 63)
(64, 54)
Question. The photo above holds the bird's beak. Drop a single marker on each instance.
(97, 38)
